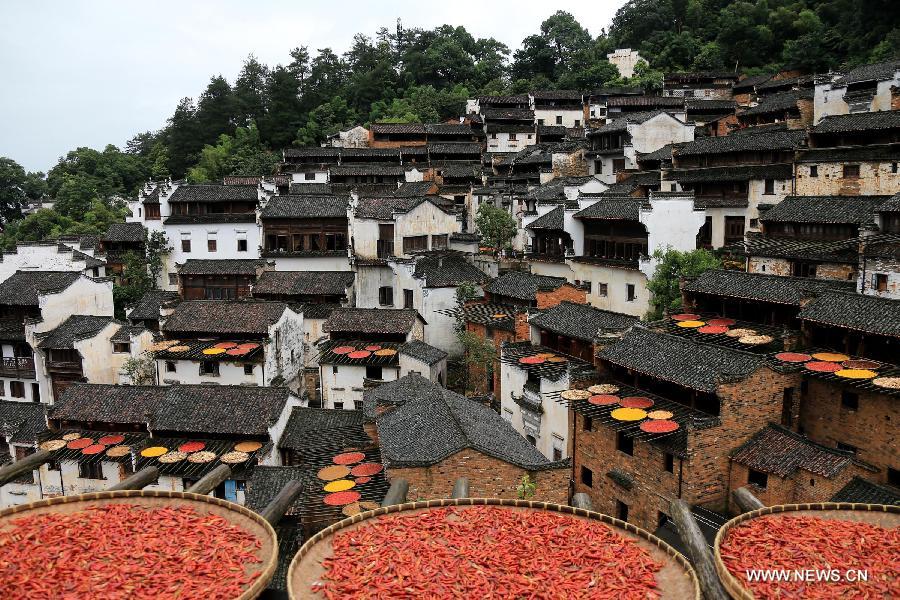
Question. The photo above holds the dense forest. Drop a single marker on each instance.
(406, 75)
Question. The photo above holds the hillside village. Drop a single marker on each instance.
(353, 300)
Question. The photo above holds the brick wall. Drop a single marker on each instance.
(895, 97)
(875, 177)
(800, 487)
(566, 291)
(489, 477)
(872, 428)
(842, 272)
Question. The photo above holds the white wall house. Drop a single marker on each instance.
(51, 256)
(624, 59)
(863, 89)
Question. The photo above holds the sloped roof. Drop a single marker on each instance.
(863, 121)
(855, 210)
(429, 423)
(310, 189)
(304, 422)
(449, 129)
(764, 288)
(125, 232)
(523, 286)
(447, 269)
(305, 207)
(873, 72)
(214, 193)
(221, 266)
(409, 189)
(74, 328)
(732, 173)
(147, 308)
(421, 351)
(303, 283)
(23, 288)
(861, 491)
(701, 367)
(555, 219)
(892, 204)
(775, 449)
(398, 128)
(762, 141)
(21, 421)
(371, 320)
(860, 312)
(621, 124)
(383, 208)
(777, 103)
(748, 83)
(613, 207)
(225, 317)
(845, 251)
(580, 321)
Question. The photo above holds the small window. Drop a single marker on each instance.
(851, 171)
(242, 245)
(757, 478)
(621, 510)
(2, 388)
(493, 136)
(624, 443)
(439, 242)
(770, 187)
(540, 121)
(587, 476)
(669, 462)
(559, 119)
(90, 470)
(814, 170)
(630, 295)
(880, 281)
(407, 298)
(846, 447)
(185, 245)
(211, 244)
(577, 122)
(602, 289)
(309, 176)
(121, 347)
(173, 278)
(209, 367)
(334, 369)
(531, 440)
(754, 223)
(170, 366)
(893, 167)
(893, 477)
(248, 369)
(512, 137)
(339, 406)
(358, 404)
(507, 415)
(386, 296)
(588, 423)
(16, 389)
(849, 400)
(557, 453)
(373, 372)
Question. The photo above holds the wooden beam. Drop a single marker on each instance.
(582, 500)
(211, 480)
(461, 488)
(745, 500)
(138, 480)
(23, 465)
(397, 493)
(282, 501)
(698, 551)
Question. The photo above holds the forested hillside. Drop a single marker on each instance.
(406, 75)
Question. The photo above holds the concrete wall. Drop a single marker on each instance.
(436, 372)
(43, 257)
(284, 350)
(568, 116)
(829, 100)
(346, 385)
(874, 178)
(617, 280)
(188, 371)
(624, 59)
(99, 363)
(653, 134)
(499, 141)
(551, 428)
(671, 222)
(312, 263)
(369, 278)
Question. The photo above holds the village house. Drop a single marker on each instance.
(306, 287)
(625, 60)
(595, 103)
(577, 329)
(146, 311)
(306, 232)
(794, 108)
(705, 84)
(395, 135)
(53, 256)
(430, 437)
(218, 279)
(863, 89)
(710, 114)
(229, 342)
(558, 107)
(20, 424)
(619, 106)
(120, 239)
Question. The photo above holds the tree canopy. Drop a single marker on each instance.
(672, 265)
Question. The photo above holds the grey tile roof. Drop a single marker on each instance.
(514, 114)
(305, 422)
(557, 95)
(312, 152)
(555, 219)
(289, 283)
(310, 189)
(317, 310)
(869, 153)
(429, 423)
(448, 129)
(580, 321)
(305, 207)
(785, 82)
(860, 312)
(454, 148)
(843, 251)
(125, 333)
(621, 123)
(23, 288)
(861, 491)
(864, 121)
(775, 449)
(124, 232)
(224, 317)
(447, 269)
(371, 320)
(212, 409)
(74, 328)
(702, 105)
(362, 170)
(664, 153)
(221, 266)
(384, 208)
(421, 351)
(739, 173)
(523, 286)
(701, 367)
(762, 141)
(21, 421)
(401, 128)
(241, 180)
(777, 103)
(892, 204)
(856, 210)
(613, 207)
(409, 189)
(873, 72)
(764, 288)
(748, 83)
(652, 101)
(214, 193)
(147, 308)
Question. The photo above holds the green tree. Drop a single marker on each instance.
(216, 110)
(250, 92)
(75, 196)
(673, 265)
(135, 282)
(157, 246)
(496, 226)
(324, 120)
(13, 184)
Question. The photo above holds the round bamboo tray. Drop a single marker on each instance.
(235, 514)
(676, 579)
(875, 514)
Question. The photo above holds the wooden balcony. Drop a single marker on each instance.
(18, 367)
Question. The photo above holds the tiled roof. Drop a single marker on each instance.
(310, 189)
(739, 173)
(214, 409)
(468, 171)
(701, 367)
(125, 232)
(513, 114)
(748, 83)
(305, 207)
(864, 121)
(613, 207)
(289, 283)
(860, 312)
(557, 95)
(214, 193)
(844, 251)
(860, 491)
(701, 104)
(664, 153)
(399, 128)
(786, 82)
(224, 317)
(317, 310)
(21, 421)
(454, 148)
(327, 356)
(873, 72)
(775, 449)
(448, 129)
(383, 209)
(555, 219)
(447, 269)
(645, 101)
(221, 266)
(23, 288)
(429, 423)
(421, 351)
(856, 210)
(777, 103)
(362, 170)
(892, 204)
(147, 308)
(621, 123)
(126, 332)
(764, 288)
(241, 180)
(552, 130)
(869, 153)
(409, 189)
(523, 286)
(371, 320)
(580, 321)
(356, 153)
(306, 421)
(512, 99)
(76, 327)
(763, 141)
(312, 151)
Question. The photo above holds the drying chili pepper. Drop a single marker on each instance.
(788, 543)
(487, 552)
(118, 551)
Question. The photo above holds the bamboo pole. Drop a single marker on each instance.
(279, 505)
(138, 480)
(698, 551)
(211, 480)
(397, 493)
(461, 488)
(29, 463)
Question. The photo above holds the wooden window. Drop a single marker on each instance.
(851, 171)
(893, 477)
(669, 462)
(577, 122)
(211, 244)
(17, 389)
(880, 281)
(373, 372)
(185, 245)
(618, 164)
(90, 470)
(439, 242)
(415, 243)
(2, 388)
(248, 369)
(769, 187)
(242, 245)
(624, 443)
(630, 292)
(339, 406)
(407, 298)
(757, 478)
(559, 119)
(309, 176)
(814, 170)
(121, 347)
(587, 476)
(787, 406)
(170, 366)
(152, 212)
(846, 447)
(893, 167)
(849, 400)
(602, 289)
(512, 137)
(734, 229)
(588, 423)
(386, 296)
(661, 519)
(209, 367)
(621, 510)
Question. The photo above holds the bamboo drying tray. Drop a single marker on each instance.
(676, 579)
(875, 514)
(235, 514)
